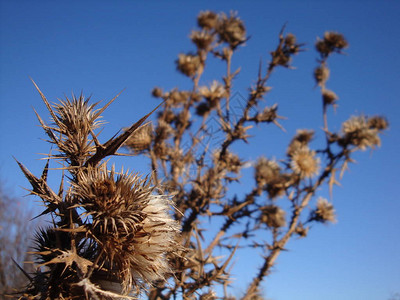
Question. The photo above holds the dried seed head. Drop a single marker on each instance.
(203, 109)
(290, 39)
(140, 140)
(321, 75)
(377, 122)
(232, 30)
(332, 42)
(301, 231)
(229, 161)
(213, 94)
(188, 64)
(176, 97)
(267, 171)
(286, 49)
(207, 20)
(304, 162)
(202, 39)
(278, 186)
(268, 115)
(163, 131)
(329, 97)
(157, 92)
(301, 139)
(359, 132)
(325, 212)
(273, 216)
(128, 221)
(75, 121)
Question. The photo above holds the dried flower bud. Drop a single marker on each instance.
(304, 163)
(230, 162)
(140, 140)
(325, 212)
(301, 139)
(290, 39)
(213, 94)
(74, 119)
(163, 131)
(278, 186)
(188, 64)
(203, 109)
(202, 39)
(358, 132)
(207, 20)
(129, 221)
(377, 122)
(332, 42)
(268, 115)
(329, 97)
(286, 49)
(273, 216)
(301, 231)
(321, 75)
(259, 91)
(232, 30)
(266, 171)
(157, 92)
(176, 97)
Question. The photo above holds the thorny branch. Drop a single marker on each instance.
(114, 236)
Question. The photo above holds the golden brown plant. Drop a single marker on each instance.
(112, 234)
(192, 152)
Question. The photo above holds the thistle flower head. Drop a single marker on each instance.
(267, 171)
(140, 140)
(332, 42)
(230, 161)
(202, 39)
(207, 20)
(300, 140)
(232, 30)
(214, 93)
(329, 97)
(362, 132)
(325, 212)
(76, 115)
(321, 75)
(273, 216)
(188, 64)
(304, 162)
(74, 121)
(128, 221)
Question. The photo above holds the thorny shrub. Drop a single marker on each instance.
(118, 235)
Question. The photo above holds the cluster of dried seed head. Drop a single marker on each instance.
(362, 132)
(188, 64)
(129, 222)
(332, 42)
(269, 177)
(140, 140)
(304, 162)
(273, 216)
(325, 212)
(288, 47)
(302, 138)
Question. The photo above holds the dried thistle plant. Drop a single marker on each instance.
(112, 235)
(203, 174)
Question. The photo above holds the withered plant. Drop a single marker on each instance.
(116, 235)
(203, 170)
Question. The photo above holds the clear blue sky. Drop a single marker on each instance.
(102, 47)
